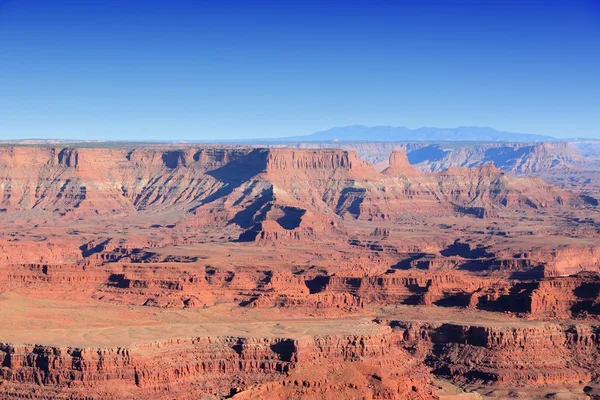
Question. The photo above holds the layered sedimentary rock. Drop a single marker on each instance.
(564, 297)
(225, 185)
(386, 365)
(214, 368)
(476, 257)
(517, 158)
(542, 354)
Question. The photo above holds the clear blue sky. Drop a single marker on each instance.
(112, 69)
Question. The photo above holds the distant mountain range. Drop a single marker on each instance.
(353, 133)
(403, 134)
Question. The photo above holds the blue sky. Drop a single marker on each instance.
(149, 70)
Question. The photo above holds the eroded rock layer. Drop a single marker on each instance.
(229, 272)
(214, 368)
(391, 364)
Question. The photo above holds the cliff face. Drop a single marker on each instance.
(487, 186)
(577, 295)
(478, 191)
(545, 354)
(185, 285)
(284, 159)
(155, 370)
(386, 365)
(144, 180)
(105, 180)
(473, 269)
(516, 158)
(211, 367)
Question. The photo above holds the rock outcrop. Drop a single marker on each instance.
(544, 354)
(389, 364)
(216, 368)
(473, 274)
(222, 186)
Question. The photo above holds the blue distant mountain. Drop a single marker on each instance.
(403, 134)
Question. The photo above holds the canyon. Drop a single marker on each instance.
(370, 271)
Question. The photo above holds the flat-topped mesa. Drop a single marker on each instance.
(197, 158)
(95, 181)
(400, 166)
(204, 158)
(286, 159)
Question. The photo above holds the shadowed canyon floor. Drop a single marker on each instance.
(212, 272)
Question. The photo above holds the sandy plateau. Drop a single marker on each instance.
(180, 272)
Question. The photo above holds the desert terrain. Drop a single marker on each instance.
(308, 270)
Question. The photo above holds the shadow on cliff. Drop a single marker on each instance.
(255, 212)
(429, 153)
(505, 157)
(588, 294)
(517, 299)
(173, 159)
(350, 201)
(464, 250)
(233, 174)
(407, 263)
